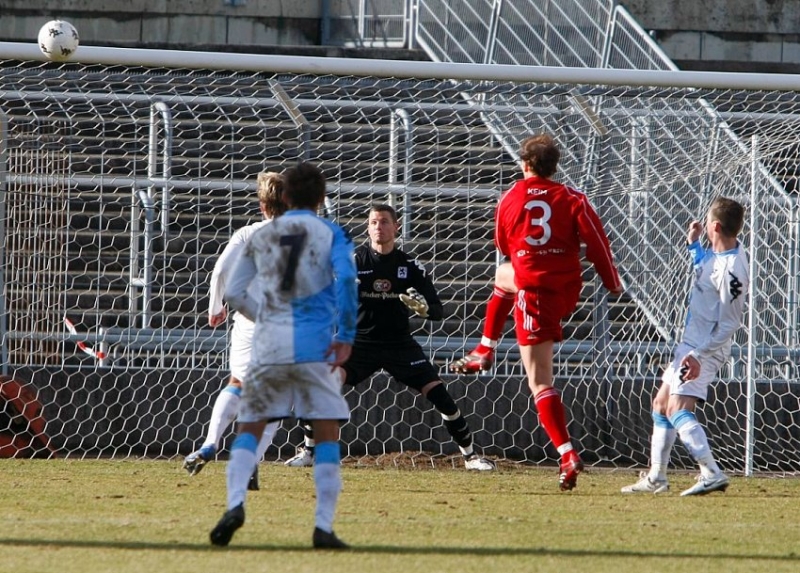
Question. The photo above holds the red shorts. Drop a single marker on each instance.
(538, 313)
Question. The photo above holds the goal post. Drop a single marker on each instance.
(125, 172)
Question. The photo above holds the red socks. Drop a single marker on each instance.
(552, 417)
(497, 309)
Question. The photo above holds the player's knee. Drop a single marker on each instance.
(677, 403)
(504, 278)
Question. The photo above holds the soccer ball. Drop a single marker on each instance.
(58, 40)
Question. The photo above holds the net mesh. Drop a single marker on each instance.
(121, 185)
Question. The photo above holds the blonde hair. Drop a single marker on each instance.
(270, 193)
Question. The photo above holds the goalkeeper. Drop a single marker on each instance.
(392, 286)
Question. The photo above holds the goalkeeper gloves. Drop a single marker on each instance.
(415, 302)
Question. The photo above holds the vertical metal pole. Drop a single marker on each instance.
(491, 39)
(166, 161)
(324, 22)
(133, 260)
(751, 314)
(793, 271)
(147, 280)
(412, 12)
(605, 56)
(408, 205)
(148, 201)
(362, 8)
(3, 241)
(402, 116)
(391, 176)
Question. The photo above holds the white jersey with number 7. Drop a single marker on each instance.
(296, 280)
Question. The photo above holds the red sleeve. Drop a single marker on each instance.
(598, 250)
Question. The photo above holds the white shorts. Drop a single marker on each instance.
(240, 346)
(308, 390)
(697, 388)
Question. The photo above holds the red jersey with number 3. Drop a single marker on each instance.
(540, 225)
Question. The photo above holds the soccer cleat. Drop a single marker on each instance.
(475, 462)
(194, 462)
(303, 458)
(478, 360)
(252, 485)
(324, 540)
(568, 475)
(647, 485)
(231, 520)
(704, 485)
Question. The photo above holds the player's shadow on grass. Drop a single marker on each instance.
(397, 550)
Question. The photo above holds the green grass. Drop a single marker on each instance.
(149, 517)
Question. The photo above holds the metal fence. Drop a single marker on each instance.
(122, 182)
(651, 158)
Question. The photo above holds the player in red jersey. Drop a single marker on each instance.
(540, 226)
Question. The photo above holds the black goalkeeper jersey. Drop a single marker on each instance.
(382, 317)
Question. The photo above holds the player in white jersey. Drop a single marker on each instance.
(226, 406)
(296, 278)
(716, 307)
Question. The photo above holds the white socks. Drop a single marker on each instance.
(694, 438)
(241, 464)
(224, 412)
(328, 483)
(266, 439)
(661, 443)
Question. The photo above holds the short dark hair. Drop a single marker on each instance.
(730, 215)
(304, 186)
(384, 208)
(541, 154)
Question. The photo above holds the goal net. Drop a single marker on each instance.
(122, 183)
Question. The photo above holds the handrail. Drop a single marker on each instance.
(145, 281)
(401, 115)
(572, 349)
(160, 108)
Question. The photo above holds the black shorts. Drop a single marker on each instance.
(406, 362)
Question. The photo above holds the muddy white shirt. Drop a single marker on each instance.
(224, 267)
(296, 278)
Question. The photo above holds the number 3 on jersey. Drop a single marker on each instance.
(542, 235)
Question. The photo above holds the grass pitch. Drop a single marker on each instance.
(65, 516)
